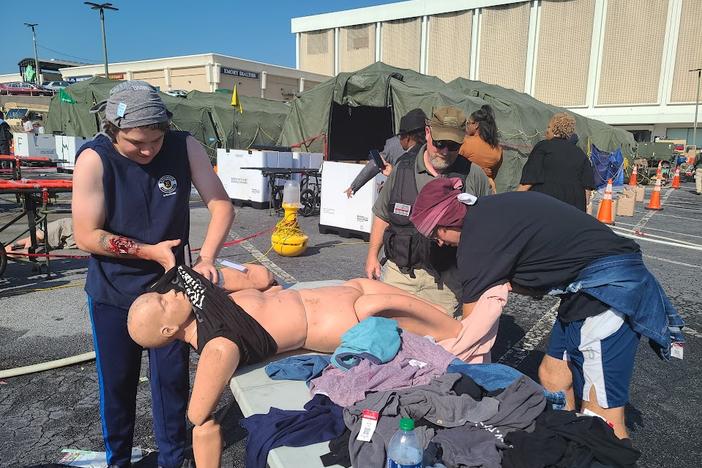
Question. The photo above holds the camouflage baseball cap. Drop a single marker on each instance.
(448, 123)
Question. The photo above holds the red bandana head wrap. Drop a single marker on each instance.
(440, 203)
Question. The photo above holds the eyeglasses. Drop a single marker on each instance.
(448, 144)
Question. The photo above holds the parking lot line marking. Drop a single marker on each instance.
(687, 331)
(673, 262)
(642, 222)
(683, 208)
(686, 218)
(655, 236)
(517, 353)
(265, 261)
(657, 241)
(662, 230)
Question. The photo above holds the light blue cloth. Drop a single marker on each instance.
(376, 339)
(305, 367)
(496, 376)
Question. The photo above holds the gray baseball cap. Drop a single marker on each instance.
(133, 104)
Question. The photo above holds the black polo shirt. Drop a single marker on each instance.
(537, 243)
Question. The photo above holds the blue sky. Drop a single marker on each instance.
(143, 29)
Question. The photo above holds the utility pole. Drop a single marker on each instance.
(697, 104)
(102, 7)
(36, 57)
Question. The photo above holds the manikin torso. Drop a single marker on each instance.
(315, 319)
(296, 319)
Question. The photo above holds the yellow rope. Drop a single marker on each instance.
(288, 227)
(266, 133)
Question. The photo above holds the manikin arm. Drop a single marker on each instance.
(88, 208)
(218, 361)
(218, 204)
(255, 277)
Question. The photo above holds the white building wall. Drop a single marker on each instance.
(8, 77)
(624, 62)
(206, 72)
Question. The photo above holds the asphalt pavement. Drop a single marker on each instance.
(42, 319)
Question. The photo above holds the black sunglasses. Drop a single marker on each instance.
(449, 144)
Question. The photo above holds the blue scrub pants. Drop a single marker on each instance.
(118, 361)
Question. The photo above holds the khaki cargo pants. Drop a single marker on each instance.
(423, 285)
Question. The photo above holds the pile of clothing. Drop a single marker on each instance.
(466, 415)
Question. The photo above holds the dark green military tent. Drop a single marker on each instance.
(209, 117)
(358, 111)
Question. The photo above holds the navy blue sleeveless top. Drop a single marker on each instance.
(148, 203)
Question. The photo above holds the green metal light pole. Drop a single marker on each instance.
(102, 7)
(36, 57)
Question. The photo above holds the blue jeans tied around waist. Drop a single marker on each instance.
(624, 283)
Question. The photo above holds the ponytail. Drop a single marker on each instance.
(487, 127)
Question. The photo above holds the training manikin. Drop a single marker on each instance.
(229, 330)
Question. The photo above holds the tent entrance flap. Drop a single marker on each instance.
(353, 131)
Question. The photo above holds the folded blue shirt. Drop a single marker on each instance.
(305, 367)
(376, 339)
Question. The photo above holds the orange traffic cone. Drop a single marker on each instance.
(655, 201)
(604, 212)
(676, 178)
(632, 178)
(659, 171)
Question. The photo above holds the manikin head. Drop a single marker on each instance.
(445, 132)
(136, 120)
(155, 319)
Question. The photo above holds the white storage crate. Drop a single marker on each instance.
(349, 214)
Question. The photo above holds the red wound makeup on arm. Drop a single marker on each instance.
(123, 246)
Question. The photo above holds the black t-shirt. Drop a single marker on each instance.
(537, 243)
(217, 315)
(558, 168)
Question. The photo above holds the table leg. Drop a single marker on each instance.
(271, 189)
(47, 262)
(30, 207)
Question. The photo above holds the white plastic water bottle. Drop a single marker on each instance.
(404, 450)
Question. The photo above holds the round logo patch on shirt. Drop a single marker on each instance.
(167, 184)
